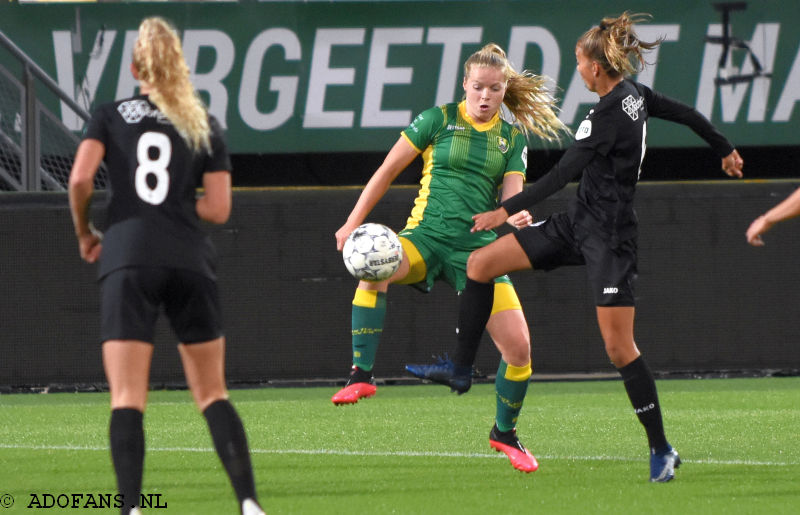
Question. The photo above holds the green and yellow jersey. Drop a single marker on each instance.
(464, 163)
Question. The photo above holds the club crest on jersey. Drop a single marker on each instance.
(584, 130)
(631, 106)
(502, 144)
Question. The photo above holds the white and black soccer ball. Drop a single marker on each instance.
(372, 252)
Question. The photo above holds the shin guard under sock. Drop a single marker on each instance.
(641, 388)
(230, 441)
(126, 433)
(474, 309)
(511, 385)
(369, 311)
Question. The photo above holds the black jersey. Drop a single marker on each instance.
(609, 148)
(153, 177)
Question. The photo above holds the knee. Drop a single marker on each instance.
(520, 358)
(612, 350)
(206, 395)
(477, 266)
(514, 345)
(136, 402)
(621, 353)
(127, 396)
(205, 402)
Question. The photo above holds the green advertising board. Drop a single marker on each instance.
(348, 76)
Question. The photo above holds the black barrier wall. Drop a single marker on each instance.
(706, 301)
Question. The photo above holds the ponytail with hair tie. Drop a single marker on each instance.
(614, 45)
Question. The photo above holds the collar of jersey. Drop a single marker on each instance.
(481, 127)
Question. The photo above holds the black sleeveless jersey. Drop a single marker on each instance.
(608, 151)
(153, 177)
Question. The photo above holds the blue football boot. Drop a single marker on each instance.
(445, 372)
(663, 465)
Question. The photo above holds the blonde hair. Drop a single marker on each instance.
(615, 46)
(158, 58)
(527, 97)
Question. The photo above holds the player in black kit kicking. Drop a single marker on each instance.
(599, 228)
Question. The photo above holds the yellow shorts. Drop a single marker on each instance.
(505, 296)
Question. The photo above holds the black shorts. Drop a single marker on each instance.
(130, 299)
(557, 242)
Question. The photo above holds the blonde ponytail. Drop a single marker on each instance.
(158, 58)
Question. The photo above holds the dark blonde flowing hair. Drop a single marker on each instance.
(527, 97)
(615, 46)
(158, 58)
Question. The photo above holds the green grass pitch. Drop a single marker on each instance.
(421, 450)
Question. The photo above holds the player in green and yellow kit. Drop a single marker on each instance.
(468, 152)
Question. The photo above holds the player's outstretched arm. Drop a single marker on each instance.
(787, 209)
(398, 158)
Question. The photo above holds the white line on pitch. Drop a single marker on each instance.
(336, 452)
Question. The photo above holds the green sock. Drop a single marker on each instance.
(510, 385)
(369, 310)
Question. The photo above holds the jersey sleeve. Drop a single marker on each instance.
(569, 167)
(666, 108)
(97, 126)
(595, 135)
(518, 160)
(423, 128)
(597, 132)
(219, 160)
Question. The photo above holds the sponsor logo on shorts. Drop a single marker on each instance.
(610, 290)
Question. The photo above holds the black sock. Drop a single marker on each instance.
(641, 388)
(230, 440)
(359, 375)
(126, 433)
(473, 314)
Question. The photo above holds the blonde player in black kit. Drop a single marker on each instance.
(599, 228)
(159, 147)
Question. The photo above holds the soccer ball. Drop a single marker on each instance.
(372, 252)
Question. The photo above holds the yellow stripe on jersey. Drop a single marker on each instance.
(518, 374)
(421, 202)
(505, 298)
(365, 298)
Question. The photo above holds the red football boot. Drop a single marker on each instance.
(507, 442)
(360, 385)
